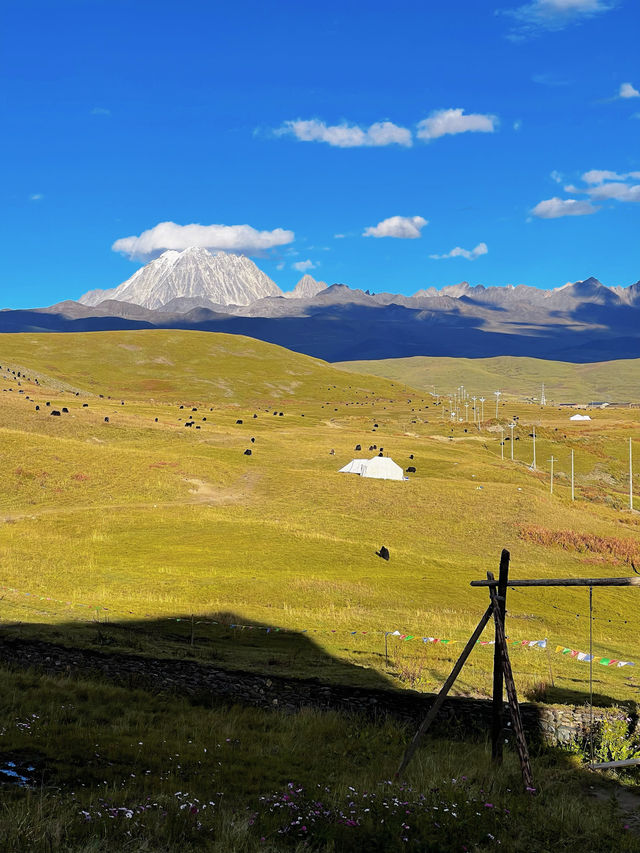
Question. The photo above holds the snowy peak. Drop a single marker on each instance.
(195, 273)
(462, 289)
(306, 288)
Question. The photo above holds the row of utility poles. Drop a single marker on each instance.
(553, 459)
(461, 397)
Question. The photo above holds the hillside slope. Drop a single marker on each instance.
(517, 377)
(174, 365)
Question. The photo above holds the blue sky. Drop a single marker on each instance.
(490, 142)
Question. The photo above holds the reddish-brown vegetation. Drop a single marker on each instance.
(607, 547)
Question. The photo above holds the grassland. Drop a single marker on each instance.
(518, 378)
(137, 522)
(123, 770)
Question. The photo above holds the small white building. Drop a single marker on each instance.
(380, 468)
(579, 418)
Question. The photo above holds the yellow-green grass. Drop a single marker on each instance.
(182, 366)
(515, 376)
(116, 769)
(151, 522)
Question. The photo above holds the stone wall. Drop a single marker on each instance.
(459, 716)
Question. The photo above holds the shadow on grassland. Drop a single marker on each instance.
(220, 640)
(214, 660)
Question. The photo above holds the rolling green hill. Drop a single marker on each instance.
(177, 366)
(516, 377)
(144, 517)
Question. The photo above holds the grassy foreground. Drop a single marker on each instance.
(138, 772)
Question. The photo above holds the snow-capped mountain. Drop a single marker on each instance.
(306, 288)
(221, 278)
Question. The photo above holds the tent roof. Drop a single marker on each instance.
(353, 467)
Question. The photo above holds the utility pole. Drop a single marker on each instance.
(534, 448)
(497, 393)
(543, 399)
(482, 409)
(466, 411)
(630, 477)
(572, 489)
(511, 427)
(501, 444)
(551, 490)
(474, 408)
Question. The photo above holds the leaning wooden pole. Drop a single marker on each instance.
(498, 700)
(442, 695)
(512, 696)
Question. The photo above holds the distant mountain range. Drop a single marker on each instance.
(195, 289)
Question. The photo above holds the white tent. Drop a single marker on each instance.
(354, 467)
(579, 418)
(380, 468)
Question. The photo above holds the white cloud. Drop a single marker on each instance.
(597, 176)
(231, 238)
(627, 91)
(517, 125)
(553, 208)
(604, 185)
(556, 176)
(339, 236)
(385, 133)
(36, 197)
(303, 266)
(402, 227)
(344, 135)
(541, 15)
(100, 111)
(444, 122)
(617, 190)
(469, 254)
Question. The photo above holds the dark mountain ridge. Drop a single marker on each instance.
(582, 322)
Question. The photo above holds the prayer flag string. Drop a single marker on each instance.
(404, 637)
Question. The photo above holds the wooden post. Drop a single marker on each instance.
(497, 712)
(442, 695)
(514, 708)
(630, 477)
(632, 581)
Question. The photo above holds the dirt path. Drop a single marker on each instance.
(201, 494)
